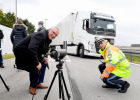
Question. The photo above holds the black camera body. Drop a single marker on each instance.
(58, 54)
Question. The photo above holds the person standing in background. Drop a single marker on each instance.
(41, 27)
(19, 32)
(1, 59)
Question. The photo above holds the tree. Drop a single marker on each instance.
(1, 18)
(31, 27)
(8, 19)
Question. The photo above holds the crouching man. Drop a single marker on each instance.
(115, 67)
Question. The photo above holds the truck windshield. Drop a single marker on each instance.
(102, 26)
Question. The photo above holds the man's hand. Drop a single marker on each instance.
(45, 60)
(39, 66)
(101, 77)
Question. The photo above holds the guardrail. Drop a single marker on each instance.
(131, 52)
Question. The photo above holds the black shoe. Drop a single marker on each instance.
(107, 86)
(1, 66)
(124, 88)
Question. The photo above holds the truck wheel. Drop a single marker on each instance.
(81, 51)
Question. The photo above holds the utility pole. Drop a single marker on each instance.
(1, 7)
(16, 10)
(45, 22)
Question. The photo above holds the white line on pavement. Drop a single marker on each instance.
(49, 58)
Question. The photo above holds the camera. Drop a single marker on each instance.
(58, 54)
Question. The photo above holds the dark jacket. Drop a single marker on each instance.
(18, 33)
(29, 51)
(41, 29)
(1, 36)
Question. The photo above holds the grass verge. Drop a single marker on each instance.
(135, 59)
(8, 56)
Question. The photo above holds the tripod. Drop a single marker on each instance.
(61, 81)
(7, 87)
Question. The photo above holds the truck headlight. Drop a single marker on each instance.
(92, 46)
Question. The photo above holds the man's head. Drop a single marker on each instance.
(53, 32)
(101, 42)
(40, 24)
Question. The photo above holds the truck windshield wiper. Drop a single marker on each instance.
(100, 29)
(109, 30)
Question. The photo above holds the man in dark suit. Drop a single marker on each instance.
(29, 54)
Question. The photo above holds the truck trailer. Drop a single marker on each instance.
(80, 31)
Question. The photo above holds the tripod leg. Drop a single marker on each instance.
(46, 96)
(59, 79)
(68, 95)
(7, 87)
(14, 65)
(61, 91)
(63, 97)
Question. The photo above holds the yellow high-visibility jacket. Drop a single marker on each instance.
(116, 62)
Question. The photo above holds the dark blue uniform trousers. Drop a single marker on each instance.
(1, 59)
(34, 78)
(112, 80)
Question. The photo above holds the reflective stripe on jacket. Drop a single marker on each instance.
(116, 62)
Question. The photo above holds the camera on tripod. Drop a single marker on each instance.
(57, 54)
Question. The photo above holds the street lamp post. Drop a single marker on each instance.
(45, 22)
(16, 10)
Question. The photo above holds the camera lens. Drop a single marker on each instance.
(54, 54)
(58, 54)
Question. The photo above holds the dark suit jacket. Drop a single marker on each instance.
(29, 51)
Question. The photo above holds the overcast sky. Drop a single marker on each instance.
(125, 12)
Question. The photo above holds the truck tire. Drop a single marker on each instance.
(81, 51)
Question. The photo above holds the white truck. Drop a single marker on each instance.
(80, 31)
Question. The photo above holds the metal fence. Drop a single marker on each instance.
(131, 52)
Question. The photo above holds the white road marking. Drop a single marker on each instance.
(134, 64)
(49, 59)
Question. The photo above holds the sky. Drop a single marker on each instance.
(125, 12)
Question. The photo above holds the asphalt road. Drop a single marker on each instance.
(86, 83)
(82, 78)
(18, 81)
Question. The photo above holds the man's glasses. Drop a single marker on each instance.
(54, 33)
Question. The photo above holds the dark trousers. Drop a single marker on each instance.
(112, 80)
(1, 59)
(34, 78)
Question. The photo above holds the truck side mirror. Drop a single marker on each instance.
(85, 24)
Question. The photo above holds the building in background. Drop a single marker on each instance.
(6, 44)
